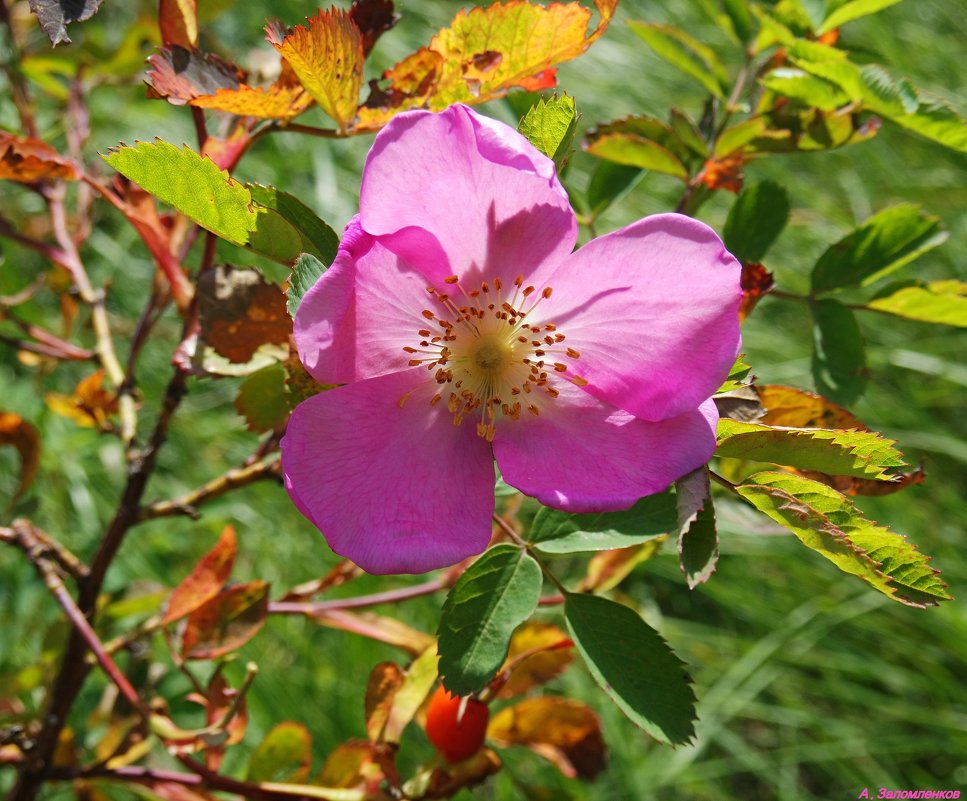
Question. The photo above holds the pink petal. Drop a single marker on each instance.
(652, 310)
(455, 193)
(582, 455)
(356, 320)
(396, 490)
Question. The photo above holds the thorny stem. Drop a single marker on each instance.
(510, 532)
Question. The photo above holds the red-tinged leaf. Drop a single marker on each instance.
(327, 57)
(565, 732)
(172, 791)
(343, 572)
(217, 700)
(226, 622)
(545, 79)
(55, 15)
(384, 681)
(607, 569)
(355, 764)
(23, 436)
(755, 281)
(408, 85)
(852, 486)
(797, 408)
(725, 173)
(445, 782)
(206, 579)
(180, 74)
(225, 151)
(241, 311)
(90, 405)
(285, 755)
(538, 652)
(377, 627)
(27, 161)
(178, 22)
(373, 18)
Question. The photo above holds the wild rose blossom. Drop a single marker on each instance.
(466, 330)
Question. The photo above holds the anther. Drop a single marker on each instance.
(547, 292)
(573, 353)
(428, 314)
(452, 279)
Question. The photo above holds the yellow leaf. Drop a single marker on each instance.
(284, 99)
(328, 59)
(23, 436)
(533, 658)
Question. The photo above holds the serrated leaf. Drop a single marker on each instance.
(486, 51)
(698, 541)
(882, 245)
(180, 74)
(283, 756)
(275, 237)
(738, 136)
(636, 151)
(797, 408)
(307, 270)
(554, 531)
(55, 15)
(27, 160)
(941, 302)
(738, 375)
(839, 354)
(279, 101)
(178, 22)
(688, 133)
(685, 52)
(854, 9)
(318, 239)
(546, 658)
(756, 218)
(634, 665)
(828, 523)
(262, 400)
(549, 126)
(864, 454)
(808, 89)
(226, 622)
(191, 184)
(205, 580)
(492, 597)
(327, 57)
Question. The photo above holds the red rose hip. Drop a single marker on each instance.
(456, 736)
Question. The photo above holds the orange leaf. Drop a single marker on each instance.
(607, 569)
(23, 436)
(328, 59)
(218, 699)
(486, 51)
(27, 160)
(373, 18)
(206, 580)
(850, 485)
(755, 281)
(565, 732)
(384, 680)
(226, 622)
(90, 405)
(542, 665)
(284, 99)
(180, 74)
(178, 21)
(354, 764)
(725, 173)
(797, 408)
(377, 627)
(410, 84)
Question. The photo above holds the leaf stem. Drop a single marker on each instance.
(532, 552)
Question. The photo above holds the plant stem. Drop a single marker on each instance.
(388, 597)
(510, 532)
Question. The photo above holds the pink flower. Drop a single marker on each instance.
(465, 330)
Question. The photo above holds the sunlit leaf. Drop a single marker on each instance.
(445, 781)
(493, 596)
(180, 74)
(634, 666)
(853, 9)
(283, 756)
(55, 15)
(23, 436)
(800, 85)
(880, 246)
(550, 125)
(797, 408)
(607, 569)
(327, 57)
(546, 658)
(554, 531)
(643, 142)
(226, 622)
(178, 22)
(688, 54)
(205, 580)
(407, 85)
(563, 731)
(384, 682)
(419, 680)
(378, 627)
(373, 18)
(698, 541)
(756, 282)
(864, 454)
(307, 270)
(839, 354)
(350, 765)
(941, 302)
(317, 238)
(278, 101)
(828, 523)
(688, 133)
(756, 218)
(738, 375)
(27, 160)
(90, 406)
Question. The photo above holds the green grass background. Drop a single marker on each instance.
(810, 685)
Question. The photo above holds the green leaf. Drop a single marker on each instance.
(634, 665)
(685, 52)
(261, 399)
(827, 522)
(880, 246)
(549, 126)
(698, 541)
(608, 183)
(275, 237)
(942, 302)
(839, 354)
(808, 89)
(495, 594)
(864, 454)
(316, 237)
(854, 9)
(636, 151)
(739, 136)
(285, 755)
(755, 220)
(688, 133)
(191, 184)
(307, 270)
(554, 531)
(737, 375)
(738, 14)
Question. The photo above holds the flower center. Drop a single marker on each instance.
(487, 357)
